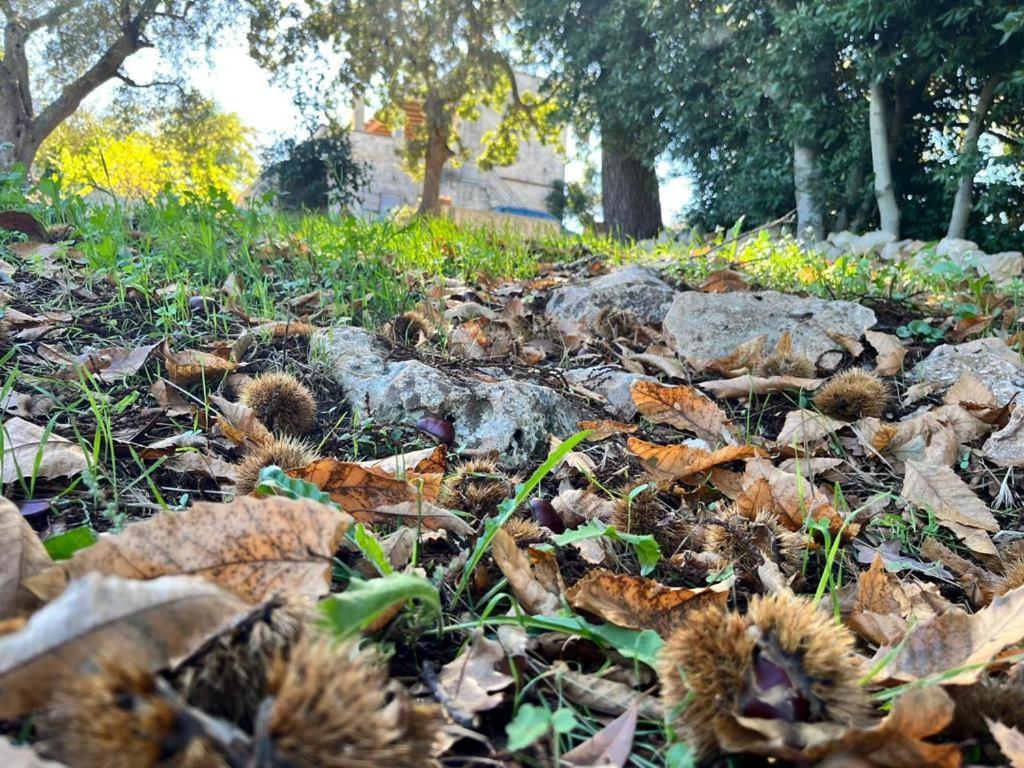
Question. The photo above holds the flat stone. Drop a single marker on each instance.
(861, 245)
(512, 417)
(638, 289)
(613, 384)
(996, 365)
(706, 326)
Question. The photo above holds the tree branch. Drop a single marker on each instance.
(52, 15)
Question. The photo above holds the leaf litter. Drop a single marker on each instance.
(847, 583)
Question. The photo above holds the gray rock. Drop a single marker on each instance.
(635, 288)
(512, 417)
(706, 326)
(991, 360)
(613, 384)
(1006, 447)
(861, 245)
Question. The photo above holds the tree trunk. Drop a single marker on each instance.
(853, 192)
(629, 193)
(963, 203)
(810, 219)
(438, 127)
(881, 160)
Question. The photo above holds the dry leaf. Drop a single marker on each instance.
(955, 506)
(794, 498)
(536, 587)
(671, 462)
(22, 555)
(746, 385)
(684, 408)
(849, 343)
(959, 642)
(605, 428)
(577, 506)
(891, 352)
(155, 621)
(636, 602)
(743, 359)
(970, 389)
(284, 330)
(239, 424)
(191, 367)
(806, 429)
(1006, 447)
(600, 693)
(255, 548)
(609, 747)
(426, 461)
(1010, 741)
(472, 680)
(724, 281)
(170, 399)
(25, 445)
(371, 494)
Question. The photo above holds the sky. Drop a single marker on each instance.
(238, 85)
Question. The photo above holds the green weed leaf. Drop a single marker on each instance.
(363, 601)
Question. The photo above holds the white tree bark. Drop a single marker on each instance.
(810, 220)
(881, 160)
(963, 203)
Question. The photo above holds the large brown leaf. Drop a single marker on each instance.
(806, 430)
(191, 366)
(959, 644)
(240, 425)
(954, 504)
(472, 680)
(155, 621)
(636, 602)
(22, 555)
(370, 494)
(747, 385)
(672, 462)
(25, 445)
(794, 498)
(534, 579)
(684, 408)
(610, 747)
(254, 547)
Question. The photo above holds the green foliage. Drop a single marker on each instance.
(532, 723)
(647, 550)
(363, 601)
(64, 545)
(274, 481)
(192, 149)
(317, 172)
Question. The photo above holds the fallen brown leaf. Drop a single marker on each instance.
(256, 548)
(746, 385)
(955, 506)
(794, 498)
(609, 747)
(1010, 741)
(29, 452)
(684, 408)
(155, 621)
(890, 351)
(22, 556)
(724, 281)
(240, 425)
(600, 693)
(605, 428)
(636, 602)
(672, 462)
(191, 367)
(284, 330)
(535, 579)
(472, 680)
(805, 429)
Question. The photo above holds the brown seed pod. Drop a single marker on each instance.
(646, 515)
(117, 719)
(283, 403)
(409, 328)
(783, 364)
(783, 660)
(334, 707)
(283, 452)
(746, 544)
(853, 395)
(991, 698)
(524, 530)
(478, 487)
(1013, 576)
(228, 679)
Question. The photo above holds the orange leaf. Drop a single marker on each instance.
(684, 408)
(671, 462)
(605, 428)
(797, 499)
(191, 366)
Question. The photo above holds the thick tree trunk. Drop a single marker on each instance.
(881, 160)
(963, 203)
(629, 194)
(438, 127)
(810, 218)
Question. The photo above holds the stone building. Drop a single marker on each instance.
(523, 185)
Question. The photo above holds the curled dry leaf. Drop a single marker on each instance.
(805, 429)
(884, 603)
(684, 408)
(191, 367)
(284, 330)
(255, 548)
(636, 602)
(891, 352)
(158, 621)
(22, 556)
(674, 462)
(849, 343)
(608, 748)
(791, 497)
(535, 579)
(742, 359)
(239, 424)
(29, 452)
(426, 461)
(955, 506)
(957, 644)
(577, 506)
(472, 680)
(746, 385)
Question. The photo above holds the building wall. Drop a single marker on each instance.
(524, 184)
